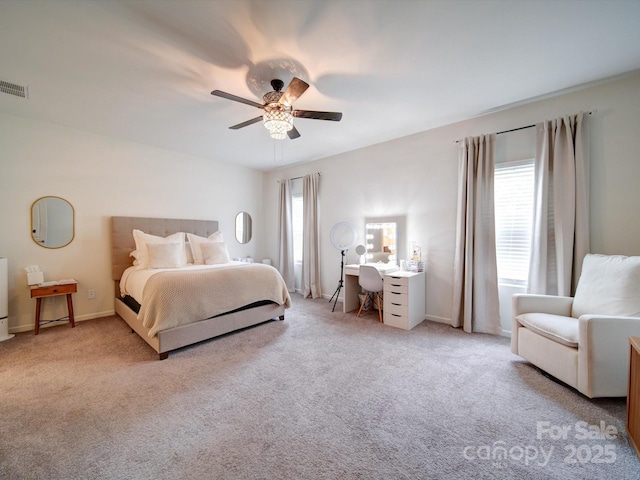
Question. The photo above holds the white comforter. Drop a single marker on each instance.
(133, 280)
(173, 297)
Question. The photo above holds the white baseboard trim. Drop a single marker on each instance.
(434, 318)
(78, 318)
(447, 321)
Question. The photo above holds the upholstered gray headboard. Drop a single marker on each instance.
(122, 243)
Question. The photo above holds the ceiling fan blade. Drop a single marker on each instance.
(293, 133)
(333, 116)
(247, 123)
(296, 88)
(228, 96)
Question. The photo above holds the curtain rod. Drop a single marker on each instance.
(298, 178)
(522, 128)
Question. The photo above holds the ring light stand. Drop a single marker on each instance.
(343, 236)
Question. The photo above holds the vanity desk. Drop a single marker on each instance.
(352, 288)
(404, 294)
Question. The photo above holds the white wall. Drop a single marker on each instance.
(416, 176)
(102, 177)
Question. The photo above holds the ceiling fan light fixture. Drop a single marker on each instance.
(278, 122)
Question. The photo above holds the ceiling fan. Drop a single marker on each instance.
(278, 109)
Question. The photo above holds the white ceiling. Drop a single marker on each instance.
(143, 70)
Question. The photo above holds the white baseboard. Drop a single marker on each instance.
(27, 327)
(447, 321)
(434, 318)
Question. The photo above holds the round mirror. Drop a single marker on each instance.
(52, 222)
(243, 227)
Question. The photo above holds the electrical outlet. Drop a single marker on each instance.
(91, 294)
(51, 300)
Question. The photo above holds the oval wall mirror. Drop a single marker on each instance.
(52, 222)
(243, 227)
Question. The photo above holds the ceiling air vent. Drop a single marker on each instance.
(14, 89)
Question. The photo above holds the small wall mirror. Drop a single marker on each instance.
(243, 227)
(52, 223)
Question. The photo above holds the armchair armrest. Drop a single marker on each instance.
(531, 303)
(551, 304)
(603, 354)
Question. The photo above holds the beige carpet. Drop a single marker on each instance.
(321, 395)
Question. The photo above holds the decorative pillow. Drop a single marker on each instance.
(196, 243)
(143, 239)
(214, 253)
(165, 255)
(608, 285)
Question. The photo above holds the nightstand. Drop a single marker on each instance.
(53, 291)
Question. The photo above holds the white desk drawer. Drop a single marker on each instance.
(397, 280)
(396, 309)
(396, 298)
(396, 288)
(395, 320)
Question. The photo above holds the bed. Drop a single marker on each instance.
(160, 319)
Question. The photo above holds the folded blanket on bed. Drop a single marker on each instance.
(175, 298)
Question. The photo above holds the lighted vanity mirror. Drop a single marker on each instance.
(52, 222)
(383, 239)
(381, 242)
(243, 227)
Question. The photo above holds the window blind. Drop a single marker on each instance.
(513, 197)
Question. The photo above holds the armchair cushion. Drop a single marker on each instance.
(560, 329)
(609, 285)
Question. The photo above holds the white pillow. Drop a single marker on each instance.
(143, 239)
(608, 285)
(165, 255)
(214, 253)
(187, 251)
(196, 243)
(134, 254)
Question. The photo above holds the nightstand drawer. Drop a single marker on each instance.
(53, 290)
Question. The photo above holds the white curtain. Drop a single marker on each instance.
(475, 289)
(285, 240)
(560, 238)
(311, 237)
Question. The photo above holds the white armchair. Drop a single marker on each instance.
(584, 340)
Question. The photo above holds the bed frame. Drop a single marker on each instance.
(122, 243)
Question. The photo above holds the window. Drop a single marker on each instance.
(297, 214)
(513, 190)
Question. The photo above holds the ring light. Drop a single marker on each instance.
(343, 236)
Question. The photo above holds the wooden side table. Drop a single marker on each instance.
(633, 394)
(53, 291)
